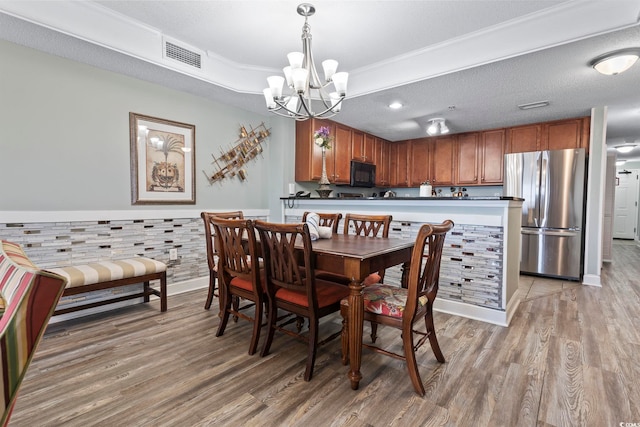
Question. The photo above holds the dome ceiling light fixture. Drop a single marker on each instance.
(437, 127)
(309, 96)
(616, 62)
(626, 148)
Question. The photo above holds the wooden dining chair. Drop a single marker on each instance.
(209, 235)
(327, 220)
(239, 273)
(293, 287)
(372, 226)
(362, 225)
(401, 308)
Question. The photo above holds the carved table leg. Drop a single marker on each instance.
(345, 336)
(355, 321)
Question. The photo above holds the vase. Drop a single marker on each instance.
(324, 190)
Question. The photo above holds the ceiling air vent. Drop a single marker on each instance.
(181, 54)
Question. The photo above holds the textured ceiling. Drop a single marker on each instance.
(471, 62)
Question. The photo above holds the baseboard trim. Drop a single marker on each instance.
(591, 280)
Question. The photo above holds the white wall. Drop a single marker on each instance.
(595, 197)
(64, 138)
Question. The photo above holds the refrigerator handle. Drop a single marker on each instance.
(544, 189)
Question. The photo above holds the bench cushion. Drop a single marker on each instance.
(104, 271)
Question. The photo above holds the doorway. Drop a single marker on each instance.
(625, 219)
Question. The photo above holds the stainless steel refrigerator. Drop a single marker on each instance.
(552, 186)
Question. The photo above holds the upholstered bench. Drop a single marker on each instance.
(111, 274)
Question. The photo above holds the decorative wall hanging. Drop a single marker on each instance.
(162, 161)
(244, 149)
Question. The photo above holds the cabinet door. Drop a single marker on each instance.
(420, 162)
(368, 148)
(398, 162)
(442, 162)
(341, 152)
(308, 155)
(357, 145)
(492, 158)
(468, 151)
(382, 162)
(561, 135)
(522, 139)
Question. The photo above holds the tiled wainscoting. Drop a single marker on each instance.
(51, 241)
(471, 267)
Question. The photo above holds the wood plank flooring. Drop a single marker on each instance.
(569, 358)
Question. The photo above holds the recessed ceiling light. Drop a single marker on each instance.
(395, 105)
(613, 63)
(533, 105)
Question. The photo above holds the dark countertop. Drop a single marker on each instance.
(426, 199)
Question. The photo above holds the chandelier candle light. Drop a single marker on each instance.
(322, 139)
(309, 95)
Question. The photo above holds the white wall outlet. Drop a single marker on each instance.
(173, 254)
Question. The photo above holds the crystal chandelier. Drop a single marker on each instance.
(309, 96)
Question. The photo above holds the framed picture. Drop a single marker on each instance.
(162, 161)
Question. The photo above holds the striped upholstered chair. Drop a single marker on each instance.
(28, 297)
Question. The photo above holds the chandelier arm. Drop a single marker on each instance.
(298, 116)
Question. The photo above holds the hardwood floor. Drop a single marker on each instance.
(569, 358)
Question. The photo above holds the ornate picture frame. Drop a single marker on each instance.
(162, 161)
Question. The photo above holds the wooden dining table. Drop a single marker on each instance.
(356, 257)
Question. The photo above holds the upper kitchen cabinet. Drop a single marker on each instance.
(469, 158)
(521, 139)
(363, 147)
(443, 161)
(420, 161)
(480, 158)
(492, 145)
(573, 133)
(308, 155)
(398, 162)
(381, 159)
(556, 135)
(342, 154)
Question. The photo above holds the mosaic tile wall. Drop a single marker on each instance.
(471, 267)
(56, 244)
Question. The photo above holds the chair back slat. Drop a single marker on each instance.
(327, 220)
(424, 273)
(286, 267)
(209, 232)
(368, 225)
(237, 249)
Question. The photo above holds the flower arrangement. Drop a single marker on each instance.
(322, 138)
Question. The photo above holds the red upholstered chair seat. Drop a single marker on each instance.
(245, 284)
(328, 293)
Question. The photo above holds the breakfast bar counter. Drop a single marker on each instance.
(479, 273)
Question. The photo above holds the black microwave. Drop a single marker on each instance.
(362, 174)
